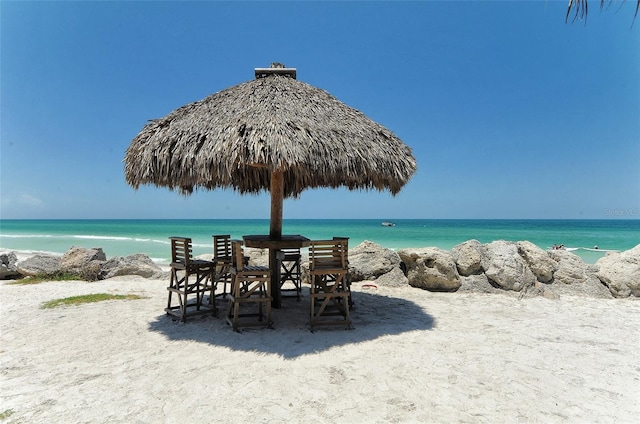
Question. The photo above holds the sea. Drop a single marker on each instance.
(589, 239)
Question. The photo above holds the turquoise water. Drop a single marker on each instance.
(125, 237)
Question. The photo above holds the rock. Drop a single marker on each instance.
(393, 278)
(83, 262)
(620, 271)
(431, 268)
(368, 261)
(538, 260)
(477, 283)
(40, 264)
(570, 269)
(205, 257)
(540, 289)
(575, 278)
(138, 264)
(504, 267)
(257, 257)
(468, 257)
(8, 266)
(590, 287)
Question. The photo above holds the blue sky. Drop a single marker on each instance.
(510, 112)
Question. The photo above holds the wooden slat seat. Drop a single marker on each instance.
(189, 279)
(250, 290)
(329, 295)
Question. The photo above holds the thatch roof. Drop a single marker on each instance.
(237, 137)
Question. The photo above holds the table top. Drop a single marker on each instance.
(265, 241)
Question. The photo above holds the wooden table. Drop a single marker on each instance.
(274, 244)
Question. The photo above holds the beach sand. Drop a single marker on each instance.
(414, 356)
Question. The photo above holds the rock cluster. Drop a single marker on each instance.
(500, 266)
(88, 264)
(518, 267)
(8, 266)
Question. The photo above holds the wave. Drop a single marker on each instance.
(84, 237)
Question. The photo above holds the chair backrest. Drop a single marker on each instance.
(329, 254)
(290, 254)
(181, 250)
(222, 246)
(237, 255)
(343, 238)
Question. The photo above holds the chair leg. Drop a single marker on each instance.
(245, 292)
(292, 273)
(183, 303)
(330, 292)
(171, 280)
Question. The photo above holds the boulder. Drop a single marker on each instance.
(40, 264)
(468, 257)
(538, 260)
(257, 257)
(570, 268)
(205, 257)
(590, 287)
(504, 267)
(8, 266)
(138, 264)
(431, 269)
(477, 283)
(368, 261)
(83, 262)
(620, 271)
(393, 278)
(575, 278)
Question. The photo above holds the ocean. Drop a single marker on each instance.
(151, 237)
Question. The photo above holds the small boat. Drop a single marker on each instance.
(563, 247)
(388, 224)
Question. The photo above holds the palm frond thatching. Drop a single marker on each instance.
(581, 8)
(237, 137)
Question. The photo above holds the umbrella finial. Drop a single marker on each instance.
(276, 68)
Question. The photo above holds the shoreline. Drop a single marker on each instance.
(164, 263)
(151, 237)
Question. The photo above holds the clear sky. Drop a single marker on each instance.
(510, 112)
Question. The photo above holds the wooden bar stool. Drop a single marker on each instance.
(348, 276)
(290, 272)
(223, 259)
(329, 295)
(189, 277)
(251, 290)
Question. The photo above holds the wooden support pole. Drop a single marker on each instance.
(277, 199)
(275, 232)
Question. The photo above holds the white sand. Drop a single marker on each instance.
(413, 356)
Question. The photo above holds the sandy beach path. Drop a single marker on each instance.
(414, 356)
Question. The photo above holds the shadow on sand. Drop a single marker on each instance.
(373, 316)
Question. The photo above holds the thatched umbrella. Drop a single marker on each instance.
(274, 133)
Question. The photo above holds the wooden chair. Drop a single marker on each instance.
(290, 271)
(329, 296)
(189, 277)
(348, 276)
(250, 289)
(223, 259)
